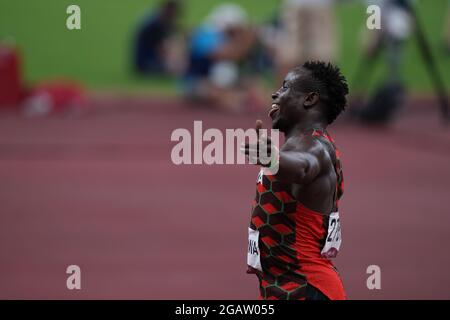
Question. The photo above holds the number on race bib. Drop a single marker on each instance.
(334, 239)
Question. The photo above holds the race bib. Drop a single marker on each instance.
(253, 257)
(333, 240)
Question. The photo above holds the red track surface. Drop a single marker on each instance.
(101, 192)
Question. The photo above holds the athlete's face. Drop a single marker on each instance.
(288, 102)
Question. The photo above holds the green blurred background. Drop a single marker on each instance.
(99, 53)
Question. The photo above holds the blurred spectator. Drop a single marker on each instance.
(155, 39)
(400, 21)
(10, 76)
(307, 32)
(447, 30)
(397, 22)
(41, 99)
(56, 96)
(218, 53)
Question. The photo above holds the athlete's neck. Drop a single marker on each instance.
(301, 128)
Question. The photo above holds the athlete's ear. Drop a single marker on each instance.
(310, 100)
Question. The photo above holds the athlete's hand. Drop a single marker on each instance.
(259, 153)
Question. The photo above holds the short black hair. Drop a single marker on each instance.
(330, 83)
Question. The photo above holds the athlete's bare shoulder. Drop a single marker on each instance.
(305, 144)
(310, 146)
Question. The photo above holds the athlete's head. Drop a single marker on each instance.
(312, 93)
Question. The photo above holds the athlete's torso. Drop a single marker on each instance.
(293, 242)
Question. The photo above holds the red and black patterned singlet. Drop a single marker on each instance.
(291, 238)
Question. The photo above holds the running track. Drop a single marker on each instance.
(101, 192)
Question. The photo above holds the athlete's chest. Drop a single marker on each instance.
(273, 201)
(266, 182)
(286, 192)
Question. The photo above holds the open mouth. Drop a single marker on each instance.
(274, 108)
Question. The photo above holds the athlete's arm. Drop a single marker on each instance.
(299, 161)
